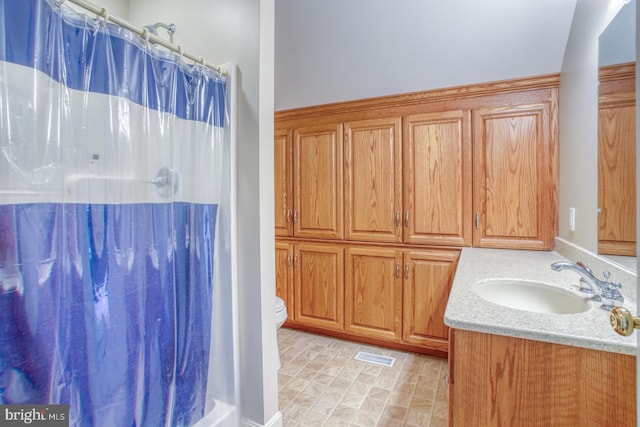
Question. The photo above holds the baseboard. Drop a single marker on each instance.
(275, 421)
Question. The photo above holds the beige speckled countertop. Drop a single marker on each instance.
(590, 329)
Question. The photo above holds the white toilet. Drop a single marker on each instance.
(281, 317)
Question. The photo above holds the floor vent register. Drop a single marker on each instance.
(376, 359)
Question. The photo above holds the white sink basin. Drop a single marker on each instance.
(531, 296)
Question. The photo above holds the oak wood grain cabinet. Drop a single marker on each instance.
(428, 277)
(514, 177)
(284, 277)
(437, 178)
(283, 182)
(308, 182)
(407, 180)
(504, 381)
(399, 295)
(318, 182)
(318, 291)
(373, 292)
(617, 161)
(373, 180)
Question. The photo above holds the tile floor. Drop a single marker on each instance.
(320, 384)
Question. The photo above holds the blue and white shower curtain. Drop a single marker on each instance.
(112, 182)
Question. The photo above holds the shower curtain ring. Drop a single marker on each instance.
(180, 51)
(104, 14)
(59, 3)
(145, 34)
(202, 61)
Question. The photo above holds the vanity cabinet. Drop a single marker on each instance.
(504, 381)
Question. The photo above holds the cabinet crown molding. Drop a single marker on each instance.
(546, 81)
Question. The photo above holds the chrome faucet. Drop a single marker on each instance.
(590, 284)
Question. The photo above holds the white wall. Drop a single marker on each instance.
(241, 32)
(336, 50)
(119, 8)
(578, 118)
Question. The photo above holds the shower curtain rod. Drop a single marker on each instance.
(142, 32)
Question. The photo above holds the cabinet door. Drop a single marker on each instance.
(617, 179)
(373, 292)
(318, 287)
(284, 275)
(428, 278)
(515, 175)
(373, 180)
(283, 183)
(437, 178)
(317, 168)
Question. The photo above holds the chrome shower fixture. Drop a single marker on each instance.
(153, 29)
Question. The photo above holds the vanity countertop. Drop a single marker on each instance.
(590, 329)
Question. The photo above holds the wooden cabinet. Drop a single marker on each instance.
(318, 290)
(309, 279)
(284, 276)
(283, 167)
(373, 292)
(428, 277)
(514, 177)
(504, 381)
(617, 161)
(377, 197)
(318, 182)
(399, 295)
(437, 178)
(373, 180)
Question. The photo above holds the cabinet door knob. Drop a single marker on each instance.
(406, 271)
(289, 259)
(288, 215)
(623, 322)
(295, 216)
(397, 218)
(406, 219)
(397, 270)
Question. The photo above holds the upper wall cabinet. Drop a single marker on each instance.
(373, 180)
(309, 182)
(514, 177)
(318, 182)
(437, 178)
(283, 183)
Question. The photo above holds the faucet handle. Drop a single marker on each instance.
(607, 275)
(588, 269)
